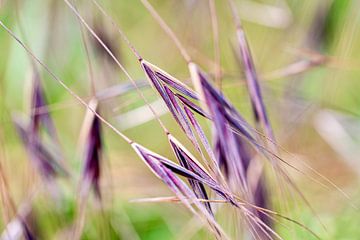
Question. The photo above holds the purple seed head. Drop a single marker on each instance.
(93, 154)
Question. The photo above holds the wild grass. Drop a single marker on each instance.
(228, 172)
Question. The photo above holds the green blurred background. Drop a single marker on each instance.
(313, 105)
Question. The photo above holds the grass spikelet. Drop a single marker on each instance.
(156, 164)
(44, 153)
(17, 229)
(19, 226)
(232, 150)
(188, 162)
(92, 152)
(91, 136)
(40, 154)
(42, 117)
(252, 79)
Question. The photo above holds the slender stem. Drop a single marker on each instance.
(167, 29)
(122, 34)
(90, 67)
(92, 32)
(62, 83)
(240, 201)
(215, 30)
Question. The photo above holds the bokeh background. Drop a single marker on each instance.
(307, 54)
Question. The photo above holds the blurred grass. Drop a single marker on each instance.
(125, 176)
